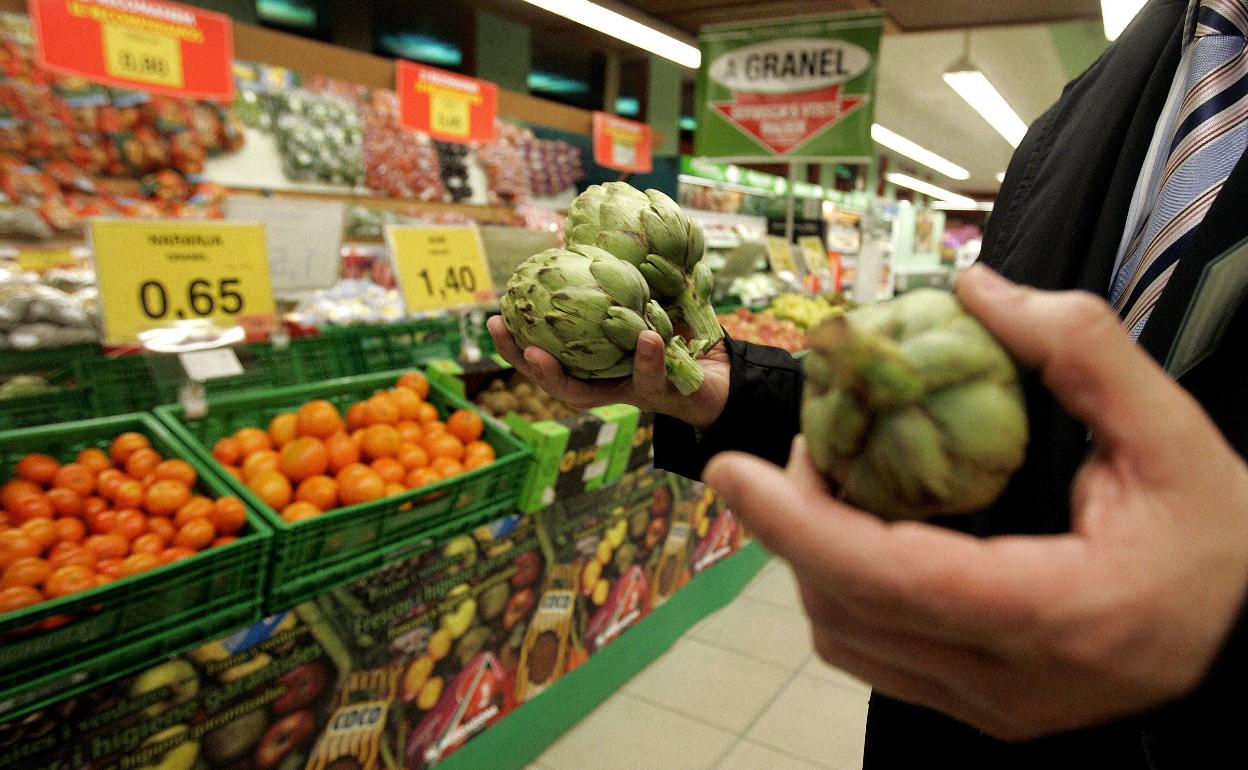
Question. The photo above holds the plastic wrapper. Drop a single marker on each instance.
(320, 138)
(351, 301)
(58, 309)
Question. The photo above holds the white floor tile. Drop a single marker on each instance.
(748, 755)
(817, 720)
(816, 667)
(776, 585)
(630, 734)
(759, 629)
(710, 683)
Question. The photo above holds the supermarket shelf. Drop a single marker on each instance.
(494, 215)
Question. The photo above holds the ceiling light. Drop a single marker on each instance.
(623, 28)
(973, 86)
(1000, 176)
(927, 188)
(1117, 14)
(952, 206)
(899, 144)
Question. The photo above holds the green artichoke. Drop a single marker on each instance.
(586, 308)
(650, 231)
(912, 407)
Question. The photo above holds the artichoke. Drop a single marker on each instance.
(912, 408)
(586, 308)
(650, 231)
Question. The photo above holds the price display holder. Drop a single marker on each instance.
(446, 106)
(155, 273)
(155, 46)
(780, 255)
(623, 145)
(440, 268)
(42, 260)
(304, 239)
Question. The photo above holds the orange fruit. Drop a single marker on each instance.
(37, 468)
(252, 440)
(42, 531)
(436, 426)
(472, 463)
(136, 563)
(224, 540)
(102, 523)
(427, 413)
(284, 428)
(66, 554)
(444, 445)
(342, 451)
(360, 487)
(150, 543)
(261, 461)
(228, 451)
(195, 508)
(304, 457)
(321, 491)
(70, 530)
(235, 472)
(129, 494)
(163, 528)
(357, 416)
(410, 431)
(142, 462)
(479, 449)
(195, 534)
(272, 488)
(109, 546)
(65, 502)
(412, 456)
(357, 438)
(390, 469)
(94, 458)
(319, 419)
(26, 571)
(382, 410)
(176, 470)
(109, 568)
(394, 488)
(124, 445)
(299, 511)
(415, 382)
(14, 544)
(165, 497)
(228, 516)
(408, 403)
(419, 477)
(94, 505)
(32, 507)
(172, 554)
(465, 425)
(381, 441)
(15, 598)
(107, 482)
(130, 524)
(15, 490)
(69, 579)
(446, 467)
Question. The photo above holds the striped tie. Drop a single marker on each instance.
(1211, 132)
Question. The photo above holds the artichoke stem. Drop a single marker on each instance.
(682, 370)
(701, 319)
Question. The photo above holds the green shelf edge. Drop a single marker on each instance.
(520, 737)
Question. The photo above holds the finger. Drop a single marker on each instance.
(506, 344)
(649, 370)
(1089, 362)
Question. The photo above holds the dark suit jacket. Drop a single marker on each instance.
(1057, 225)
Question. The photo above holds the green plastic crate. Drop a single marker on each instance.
(398, 346)
(66, 403)
(51, 363)
(344, 544)
(138, 383)
(135, 620)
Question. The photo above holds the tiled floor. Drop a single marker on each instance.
(741, 690)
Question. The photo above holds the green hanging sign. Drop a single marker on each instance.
(801, 89)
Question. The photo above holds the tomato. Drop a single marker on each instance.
(174, 553)
(32, 507)
(37, 468)
(195, 534)
(76, 478)
(224, 540)
(142, 462)
(15, 598)
(125, 445)
(65, 502)
(110, 568)
(229, 516)
(42, 531)
(95, 459)
(319, 419)
(15, 490)
(196, 507)
(26, 571)
(149, 543)
(109, 481)
(228, 451)
(70, 530)
(110, 546)
(69, 579)
(129, 494)
(138, 562)
(129, 524)
(304, 458)
(93, 505)
(164, 528)
(165, 497)
(465, 425)
(103, 522)
(176, 470)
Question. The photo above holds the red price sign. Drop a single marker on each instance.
(447, 106)
(150, 45)
(623, 145)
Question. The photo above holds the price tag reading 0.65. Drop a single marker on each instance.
(200, 298)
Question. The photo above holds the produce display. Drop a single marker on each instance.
(763, 328)
(21, 385)
(101, 516)
(316, 459)
(913, 408)
(398, 162)
(519, 396)
(554, 166)
(755, 288)
(806, 311)
(587, 309)
(452, 159)
(649, 231)
(54, 309)
(319, 137)
(505, 165)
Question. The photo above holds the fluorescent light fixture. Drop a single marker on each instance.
(688, 123)
(623, 28)
(555, 84)
(978, 91)
(951, 206)
(425, 48)
(628, 106)
(1000, 176)
(899, 144)
(1117, 14)
(927, 188)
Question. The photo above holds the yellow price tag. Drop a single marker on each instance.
(39, 260)
(448, 113)
(780, 255)
(152, 273)
(145, 57)
(814, 253)
(440, 267)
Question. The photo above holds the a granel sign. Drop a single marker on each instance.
(801, 89)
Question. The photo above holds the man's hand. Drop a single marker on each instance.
(1024, 636)
(648, 387)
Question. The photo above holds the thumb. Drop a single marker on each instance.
(1087, 360)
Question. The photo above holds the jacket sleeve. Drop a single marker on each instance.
(761, 416)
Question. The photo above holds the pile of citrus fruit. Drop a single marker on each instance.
(103, 516)
(316, 459)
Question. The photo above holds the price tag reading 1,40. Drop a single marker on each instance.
(154, 273)
(440, 267)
